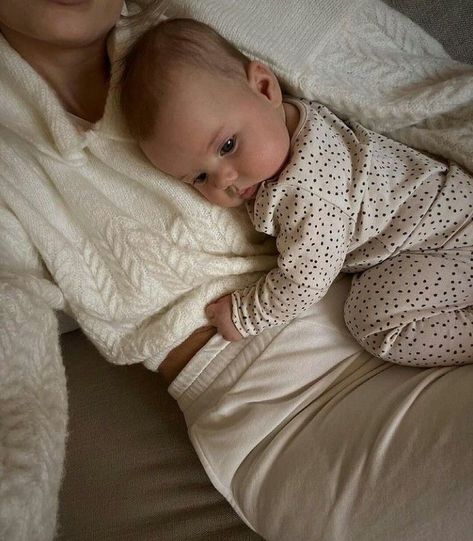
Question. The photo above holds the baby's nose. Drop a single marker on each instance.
(225, 177)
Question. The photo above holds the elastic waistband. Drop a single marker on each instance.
(196, 366)
(210, 361)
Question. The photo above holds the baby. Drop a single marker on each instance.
(336, 196)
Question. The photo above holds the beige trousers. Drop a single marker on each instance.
(312, 439)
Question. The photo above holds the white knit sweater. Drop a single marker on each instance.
(87, 226)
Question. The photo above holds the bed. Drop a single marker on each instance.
(132, 474)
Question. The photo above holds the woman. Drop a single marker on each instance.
(55, 79)
(90, 228)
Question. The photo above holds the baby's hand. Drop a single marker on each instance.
(220, 316)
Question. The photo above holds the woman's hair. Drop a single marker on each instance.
(157, 54)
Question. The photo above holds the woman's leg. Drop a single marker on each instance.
(416, 308)
(311, 439)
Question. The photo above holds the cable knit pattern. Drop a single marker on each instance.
(87, 226)
(33, 407)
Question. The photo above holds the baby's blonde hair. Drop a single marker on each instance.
(149, 66)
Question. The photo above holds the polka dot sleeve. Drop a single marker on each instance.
(312, 243)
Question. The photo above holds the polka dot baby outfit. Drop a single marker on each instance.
(352, 200)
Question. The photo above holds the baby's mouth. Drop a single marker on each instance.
(249, 192)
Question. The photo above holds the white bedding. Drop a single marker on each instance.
(362, 59)
(311, 439)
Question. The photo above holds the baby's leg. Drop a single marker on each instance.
(416, 308)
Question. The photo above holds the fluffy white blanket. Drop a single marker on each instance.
(361, 59)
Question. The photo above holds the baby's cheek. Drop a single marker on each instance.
(274, 155)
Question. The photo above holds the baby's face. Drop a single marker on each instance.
(222, 136)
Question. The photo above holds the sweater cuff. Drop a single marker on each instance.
(237, 316)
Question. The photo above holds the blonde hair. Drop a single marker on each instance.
(161, 50)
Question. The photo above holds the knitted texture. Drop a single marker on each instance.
(89, 227)
(363, 60)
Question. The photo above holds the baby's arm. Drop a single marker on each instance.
(312, 243)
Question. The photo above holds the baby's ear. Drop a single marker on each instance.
(262, 80)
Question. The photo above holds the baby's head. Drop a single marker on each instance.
(204, 113)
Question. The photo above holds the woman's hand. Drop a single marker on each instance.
(220, 316)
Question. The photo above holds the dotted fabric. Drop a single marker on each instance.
(355, 201)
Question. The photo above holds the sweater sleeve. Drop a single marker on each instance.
(33, 402)
(312, 244)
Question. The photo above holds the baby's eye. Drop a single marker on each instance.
(228, 146)
(200, 179)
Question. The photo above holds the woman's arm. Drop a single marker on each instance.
(33, 398)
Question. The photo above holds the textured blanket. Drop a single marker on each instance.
(361, 59)
(364, 61)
